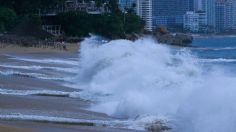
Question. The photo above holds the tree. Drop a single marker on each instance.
(23, 7)
(109, 25)
(7, 19)
(75, 23)
(114, 7)
(133, 23)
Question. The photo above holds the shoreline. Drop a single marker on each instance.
(12, 48)
(24, 126)
(36, 106)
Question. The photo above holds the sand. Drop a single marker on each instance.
(49, 127)
(6, 128)
(52, 106)
(19, 49)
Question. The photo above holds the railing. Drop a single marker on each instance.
(53, 29)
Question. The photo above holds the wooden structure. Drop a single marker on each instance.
(53, 29)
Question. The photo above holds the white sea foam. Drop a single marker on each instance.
(138, 124)
(215, 49)
(39, 92)
(52, 119)
(139, 78)
(63, 120)
(34, 67)
(50, 61)
(218, 60)
(33, 75)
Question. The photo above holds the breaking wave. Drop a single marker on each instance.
(32, 75)
(50, 61)
(63, 120)
(34, 67)
(39, 93)
(218, 60)
(215, 49)
(142, 78)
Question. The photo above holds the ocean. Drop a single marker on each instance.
(125, 86)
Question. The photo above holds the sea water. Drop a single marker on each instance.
(193, 89)
(144, 82)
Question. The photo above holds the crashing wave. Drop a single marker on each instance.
(34, 67)
(131, 79)
(32, 75)
(50, 61)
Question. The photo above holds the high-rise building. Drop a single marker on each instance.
(126, 4)
(225, 15)
(230, 16)
(144, 10)
(170, 12)
(202, 5)
(191, 5)
(220, 15)
(202, 19)
(191, 21)
(195, 21)
(211, 13)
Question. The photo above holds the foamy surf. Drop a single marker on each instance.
(33, 75)
(218, 60)
(131, 79)
(47, 61)
(35, 67)
(215, 49)
(113, 123)
(39, 93)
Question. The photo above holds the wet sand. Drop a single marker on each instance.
(6, 128)
(44, 106)
(49, 127)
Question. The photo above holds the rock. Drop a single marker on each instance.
(132, 36)
(162, 30)
(180, 39)
(186, 39)
(157, 126)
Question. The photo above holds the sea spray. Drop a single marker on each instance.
(143, 78)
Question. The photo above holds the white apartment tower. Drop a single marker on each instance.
(144, 10)
(191, 21)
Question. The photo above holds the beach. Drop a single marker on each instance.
(12, 48)
(6, 128)
(120, 86)
(34, 97)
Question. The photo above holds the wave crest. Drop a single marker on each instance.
(131, 79)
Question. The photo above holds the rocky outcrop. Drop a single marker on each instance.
(158, 126)
(132, 36)
(164, 36)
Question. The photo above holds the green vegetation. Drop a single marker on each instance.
(114, 24)
(7, 19)
(109, 25)
(23, 7)
(75, 24)
(13, 12)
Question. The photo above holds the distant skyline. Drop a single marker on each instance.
(217, 15)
